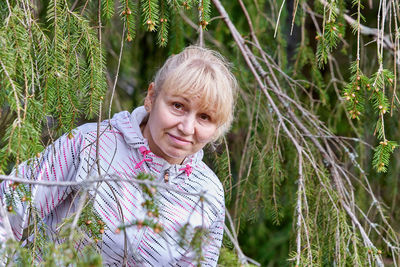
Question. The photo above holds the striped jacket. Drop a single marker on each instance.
(123, 153)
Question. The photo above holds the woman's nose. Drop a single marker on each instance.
(186, 126)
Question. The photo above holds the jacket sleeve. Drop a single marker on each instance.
(58, 162)
(214, 241)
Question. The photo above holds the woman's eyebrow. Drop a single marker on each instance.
(184, 98)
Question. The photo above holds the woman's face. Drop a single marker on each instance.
(177, 127)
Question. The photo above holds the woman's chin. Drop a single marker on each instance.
(175, 157)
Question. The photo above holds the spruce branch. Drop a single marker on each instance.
(150, 14)
(384, 39)
(14, 89)
(129, 13)
(162, 33)
(107, 9)
(324, 149)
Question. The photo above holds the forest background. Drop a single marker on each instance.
(310, 167)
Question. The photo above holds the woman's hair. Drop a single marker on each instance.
(203, 73)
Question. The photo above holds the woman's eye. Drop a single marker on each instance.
(177, 106)
(205, 117)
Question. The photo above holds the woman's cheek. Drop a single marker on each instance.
(206, 134)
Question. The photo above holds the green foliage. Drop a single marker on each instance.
(22, 141)
(51, 255)
(380, 103)
(196, 243)
(277, 177)
(355, 90)
(107, 9)
(331, 33)
(60, 74)
(162, 34)
(382, 155)
(91, 223)
(177, 40)
(54, 71)
(65, 254)
(205, 10)
(151, 14)
(228, 258)
(222, 169)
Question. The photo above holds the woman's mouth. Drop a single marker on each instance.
(179, 140)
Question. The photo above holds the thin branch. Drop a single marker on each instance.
(233, 238)
(279, 16)
(88, 182)
(116, 75)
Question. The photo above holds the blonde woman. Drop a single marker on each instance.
(188, 105)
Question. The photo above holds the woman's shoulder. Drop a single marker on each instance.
(209, 180)
(117, 125)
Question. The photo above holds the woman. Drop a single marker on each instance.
(189, 104)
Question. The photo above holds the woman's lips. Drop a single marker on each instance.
(179, 140)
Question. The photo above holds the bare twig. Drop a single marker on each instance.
(117, 73)
(88, 182)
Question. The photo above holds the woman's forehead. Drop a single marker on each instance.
(198, 99)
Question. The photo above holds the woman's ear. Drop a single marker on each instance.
(148, 101)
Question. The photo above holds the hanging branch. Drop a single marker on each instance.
(354, 92)
(336, 171)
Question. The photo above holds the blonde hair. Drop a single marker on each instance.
(203, 73)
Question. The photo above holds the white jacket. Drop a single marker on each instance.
(124, 153)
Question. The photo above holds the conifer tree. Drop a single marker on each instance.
(310, 166)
